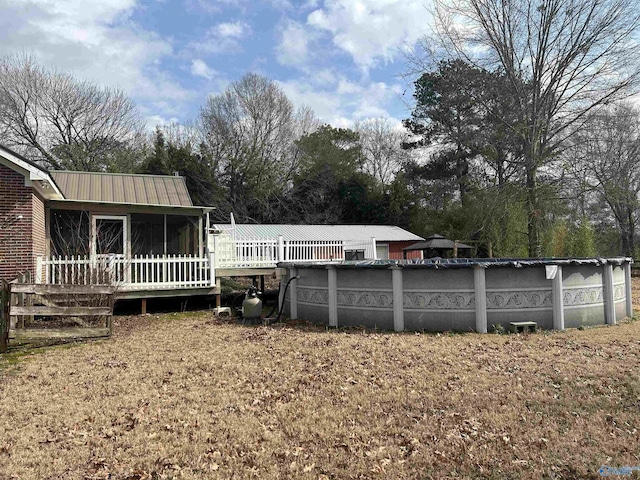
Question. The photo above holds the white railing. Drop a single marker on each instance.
(167, 272)
(171, 271)
(140, 272)
(264, 252)
(315, 251)
(231, 253)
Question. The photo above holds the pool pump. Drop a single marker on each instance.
(251, 305)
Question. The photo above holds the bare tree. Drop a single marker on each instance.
(61, 121)
(608, 152)
(381, 145)
(562, 59)
(250, 131)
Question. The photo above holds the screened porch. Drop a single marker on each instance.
(134, 251)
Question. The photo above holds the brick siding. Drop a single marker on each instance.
(16, 234)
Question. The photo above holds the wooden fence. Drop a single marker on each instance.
(24, 301)
(4, 315)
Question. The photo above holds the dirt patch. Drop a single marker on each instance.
(192, 396)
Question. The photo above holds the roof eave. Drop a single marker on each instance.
(34, 175)
(141, 205)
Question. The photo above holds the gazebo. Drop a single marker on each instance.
(439, 246)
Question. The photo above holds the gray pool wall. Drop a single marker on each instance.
(438, 296)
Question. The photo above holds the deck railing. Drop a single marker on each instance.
(148, 272)
(229, 253)
(267, 252)
(140, 272)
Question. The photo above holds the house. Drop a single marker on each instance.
(357, 242)
(73, 227)
(143, 234)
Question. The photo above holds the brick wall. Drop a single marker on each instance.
(16, 234)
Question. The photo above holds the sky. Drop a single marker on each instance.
(342, 58)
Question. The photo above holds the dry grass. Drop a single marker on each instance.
(188, 396)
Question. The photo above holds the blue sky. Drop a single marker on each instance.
(343, 58)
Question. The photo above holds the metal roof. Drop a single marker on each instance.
(382, 233)
(123, 188)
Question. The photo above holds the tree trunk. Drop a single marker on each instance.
(462, 172)
(533, 212)
(627, 233)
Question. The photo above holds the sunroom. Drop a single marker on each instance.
(140, 232)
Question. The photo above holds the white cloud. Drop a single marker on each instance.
(96, 41)
(232, 30)
(224, 38)
(293, 46)
(154, 121)
(347, 87)
(201, 69)
(340, 101)
(324, 103)
(372, 30)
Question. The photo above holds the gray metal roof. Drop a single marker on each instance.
(382, 233)
(123, 188)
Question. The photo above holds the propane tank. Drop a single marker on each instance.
(251, 305)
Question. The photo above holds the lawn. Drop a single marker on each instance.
(191, 396)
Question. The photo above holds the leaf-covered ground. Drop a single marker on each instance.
(190, 396)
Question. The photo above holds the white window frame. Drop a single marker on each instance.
(126, 247)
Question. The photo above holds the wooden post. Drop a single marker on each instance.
(218, 293)
(4, 316)
(143, 306)
(28, 302)
(20, 302)
(109, 325)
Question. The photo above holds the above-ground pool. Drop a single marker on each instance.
(460, 294)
